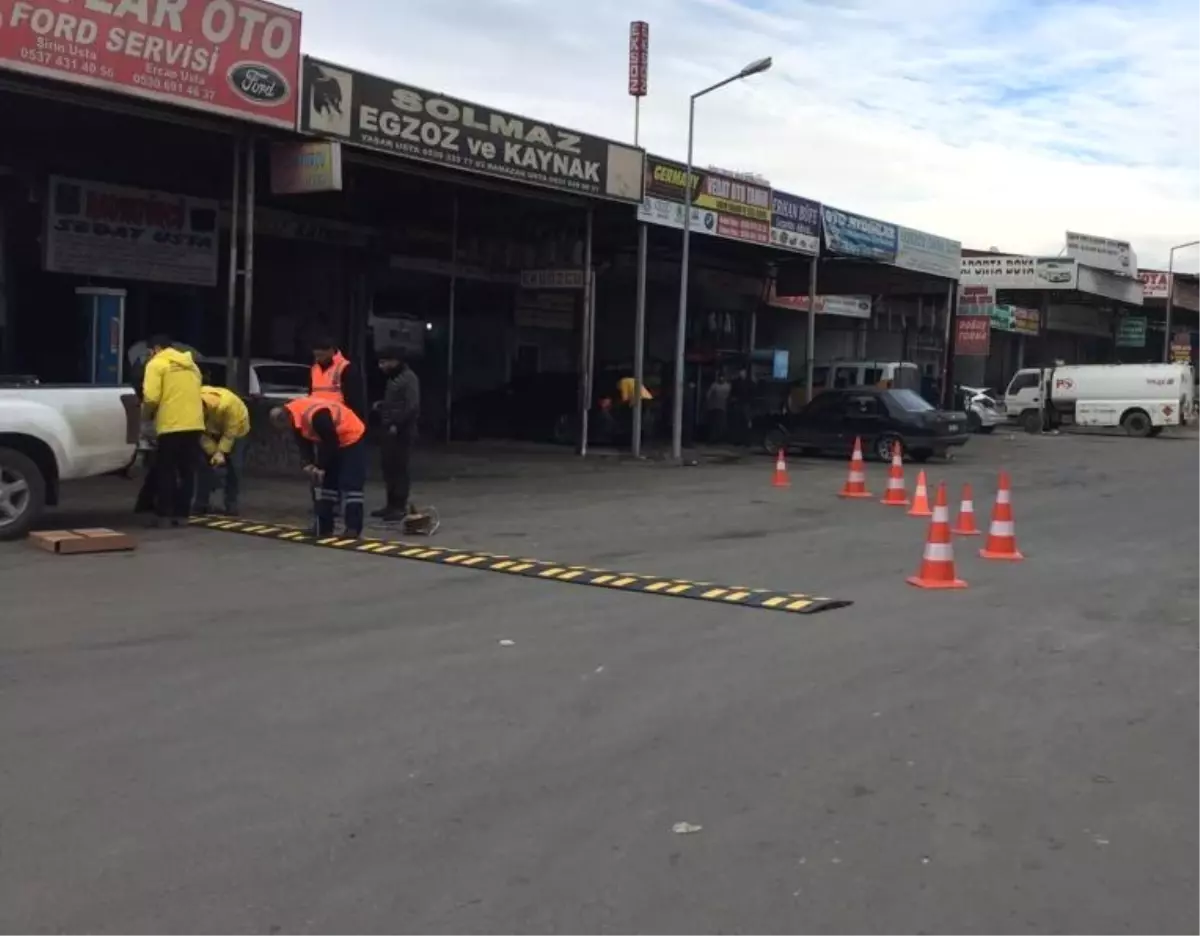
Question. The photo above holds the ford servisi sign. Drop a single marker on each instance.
(380, 114)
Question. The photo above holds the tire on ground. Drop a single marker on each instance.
(1136, 423)
(16, 465)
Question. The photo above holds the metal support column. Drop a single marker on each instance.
(450, 324)
(681, 324)
(639, 338)
(586, 351)
(231, 297)
(947, 400)
(810, 338)
(243, 382)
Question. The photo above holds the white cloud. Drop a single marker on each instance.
(994, 122)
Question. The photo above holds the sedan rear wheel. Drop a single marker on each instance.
(885, 445)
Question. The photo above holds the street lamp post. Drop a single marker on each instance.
(1171, 297)
(754, 68)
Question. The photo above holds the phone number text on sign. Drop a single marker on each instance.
(235, 57)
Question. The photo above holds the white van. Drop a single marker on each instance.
(1140, 398)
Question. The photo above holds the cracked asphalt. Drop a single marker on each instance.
(221, 734)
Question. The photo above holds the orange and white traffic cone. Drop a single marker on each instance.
(780, 478)
(1002, 534)
(856, 480)
(895, 495)
(937, 565)
(966, 516)
(920, 505)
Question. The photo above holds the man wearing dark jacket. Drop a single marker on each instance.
(398, 415)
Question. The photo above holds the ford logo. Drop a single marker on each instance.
(258, 84)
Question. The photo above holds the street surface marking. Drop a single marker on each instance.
(741, 596)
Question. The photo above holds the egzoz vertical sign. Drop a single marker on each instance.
(639, 58)
(238, 58)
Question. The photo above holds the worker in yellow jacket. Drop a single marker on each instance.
(226, 426)
(171, 397)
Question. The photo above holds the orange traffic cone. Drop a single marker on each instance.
(856, 481)
(966, 516)
(920, 506)
(895, 495)
(1002, 539)
(937, 566)
(780, 478)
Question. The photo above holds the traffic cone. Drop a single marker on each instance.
(966, 516)
(856, 480)
(1002, 539)
(920, 506)
(937, 565)
(780, 478)
(895, 495)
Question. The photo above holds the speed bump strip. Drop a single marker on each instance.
(739, 596)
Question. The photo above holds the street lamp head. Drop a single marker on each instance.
(754, 68)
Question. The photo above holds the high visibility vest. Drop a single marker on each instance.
(327, 381)
(347, 424)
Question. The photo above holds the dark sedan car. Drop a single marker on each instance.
(881, 418)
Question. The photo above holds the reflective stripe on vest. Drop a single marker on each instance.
(327, 382)
(346, 424)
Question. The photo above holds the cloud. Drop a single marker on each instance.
(998, 122)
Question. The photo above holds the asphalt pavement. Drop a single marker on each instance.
(223, 734)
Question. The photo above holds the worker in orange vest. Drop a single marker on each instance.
(332, 444)
(333, 377)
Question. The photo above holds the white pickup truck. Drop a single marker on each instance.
(52, 434)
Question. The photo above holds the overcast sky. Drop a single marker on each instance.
(996, 122)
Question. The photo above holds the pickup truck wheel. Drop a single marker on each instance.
(22, 493)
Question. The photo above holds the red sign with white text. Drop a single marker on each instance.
(239, 58)
(973, 335)
(639, 57)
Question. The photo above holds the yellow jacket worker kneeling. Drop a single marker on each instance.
(226, 426)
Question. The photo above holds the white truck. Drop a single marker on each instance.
(52, 434)
(1142, 399)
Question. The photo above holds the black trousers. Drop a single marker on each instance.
(343, 482)
(175, 468)
(396, 452)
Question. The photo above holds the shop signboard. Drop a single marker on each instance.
(239, 58)
(552, 279)
(1131, 332)
(123, 233)
(928, 253)
(1181, 347)
(973, 335)
(427, 126)
(1154, 283)
(722, 205)
(847, 306)
(795, 223)
(976, 300)
(1009, 271)
(1014, 319)
(305, 168)
(854, 235)
(1102, 253)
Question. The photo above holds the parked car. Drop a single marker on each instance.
(880, 417)
(277, 380)
(984, 413)
(50, 434)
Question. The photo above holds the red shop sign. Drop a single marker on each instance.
(240, 58)
(973, 335)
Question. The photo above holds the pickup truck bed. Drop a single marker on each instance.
(51, 434)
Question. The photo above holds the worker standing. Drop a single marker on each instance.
(332, 444)
(333, 377)
(171, 396)
(226, 425)
(399, 413)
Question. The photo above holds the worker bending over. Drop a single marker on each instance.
(332, 446)
(226, 425)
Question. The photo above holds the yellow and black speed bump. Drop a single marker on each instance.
(791, 602)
